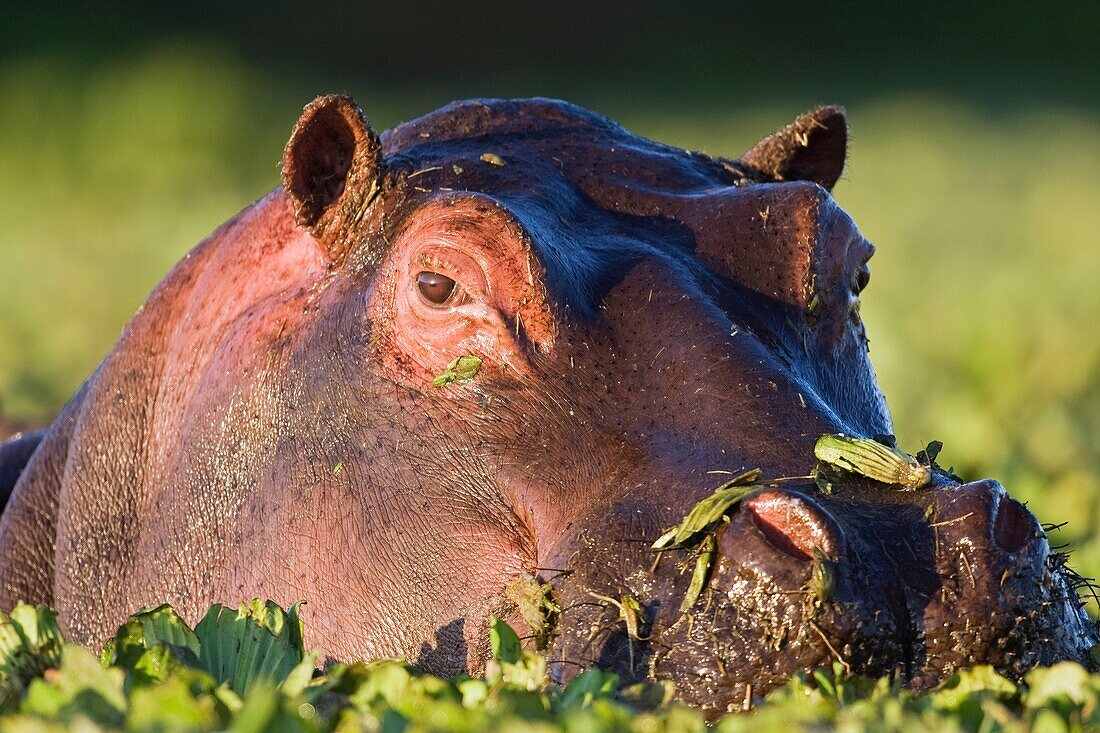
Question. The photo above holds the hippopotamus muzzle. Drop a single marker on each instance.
(912, 584)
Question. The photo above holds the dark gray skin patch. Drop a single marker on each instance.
(15, 453)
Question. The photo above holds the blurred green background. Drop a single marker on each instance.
(129, 131)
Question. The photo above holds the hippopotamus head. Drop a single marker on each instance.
(480, 363)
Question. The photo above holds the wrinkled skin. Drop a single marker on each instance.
(649, 320)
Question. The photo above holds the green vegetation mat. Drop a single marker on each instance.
(247, 670)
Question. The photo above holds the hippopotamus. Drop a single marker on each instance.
(475, 366)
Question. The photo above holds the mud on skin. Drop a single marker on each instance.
(647, 321)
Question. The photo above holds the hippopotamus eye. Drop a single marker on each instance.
(435, 288)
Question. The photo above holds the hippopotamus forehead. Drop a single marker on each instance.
(542, 133)
(593, 197)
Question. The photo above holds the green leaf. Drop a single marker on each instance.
(930, 453)
(700, 576)
(299, 678)
(964, 692)
(391, 695)
(872, 459)
(459, 371)
(527, 673)
(386, 680)
(696, 531)
(258, 641)
(148, 628)
(266, 710)
(30, 643)
(1062, 683)
(80, 686)
(503, 641)
(474, 692)
(705, 516)
(585, 687)
(535, 603)
(648, 695)
(172, 705)
(822, 584)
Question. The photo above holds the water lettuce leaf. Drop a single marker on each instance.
(30, 643)
(874, 459)
(459, 371)
(257, 642)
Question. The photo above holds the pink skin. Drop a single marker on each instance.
(470, 241)
(499, 285)
(209, 371)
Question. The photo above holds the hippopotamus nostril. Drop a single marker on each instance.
(1013, 526)
(794, 524)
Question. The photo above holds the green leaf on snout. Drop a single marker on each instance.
(873, 459)
(696, 532)
(704, 564)
(535, 602)
(459, 371)
(822, 584)
(931, 452)
(929, 457)
(631, 613)
(705, 516)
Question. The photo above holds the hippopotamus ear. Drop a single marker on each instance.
(812, 148)
(332, 168)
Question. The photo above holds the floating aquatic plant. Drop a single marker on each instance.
(696, 532)
(459, 371)
(873, 459)
(535, 603)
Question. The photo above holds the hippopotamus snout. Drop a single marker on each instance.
(998, 527)
(911, 583)
(999, 599)
(971, 580)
